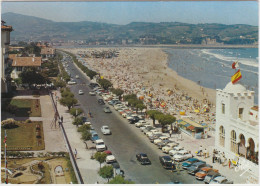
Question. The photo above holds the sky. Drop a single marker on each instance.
(229, 12)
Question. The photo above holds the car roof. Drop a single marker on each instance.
(105, 126)
(192, 159)
(206, 168)
(99, 140)
(220, 178)
(198, 163)
(115, 165)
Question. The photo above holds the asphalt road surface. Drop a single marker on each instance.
(126, 140)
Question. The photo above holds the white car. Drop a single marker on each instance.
(81, 92)
(220, 180)
(72, 82)
(110, 159)
(169, 147)
(144, 127)
(175, 150)
(100, 145)
(140, 123)
(92, 93)
(182, 155)
(160, 139)
(105, 130)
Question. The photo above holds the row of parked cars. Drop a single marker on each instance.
(195, 167)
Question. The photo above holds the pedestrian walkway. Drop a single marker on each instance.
(88, 168)
(193, 145)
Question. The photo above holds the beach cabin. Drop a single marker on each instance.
(191, 128)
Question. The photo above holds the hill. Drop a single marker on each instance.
(35, 29)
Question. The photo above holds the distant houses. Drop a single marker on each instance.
(47, 52)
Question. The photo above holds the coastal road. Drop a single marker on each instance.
(126, 140)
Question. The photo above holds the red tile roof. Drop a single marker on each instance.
(7, 28)
(27, 62)
(255, 108)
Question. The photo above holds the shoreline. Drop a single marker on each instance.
(187, 46)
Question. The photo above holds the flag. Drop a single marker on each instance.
(235, 65)
(236, 77)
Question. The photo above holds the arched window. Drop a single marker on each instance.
(233, 142)
(222, 136)
(242, 147)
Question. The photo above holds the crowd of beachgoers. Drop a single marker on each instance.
(144, 72)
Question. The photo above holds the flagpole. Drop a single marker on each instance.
(5, 160)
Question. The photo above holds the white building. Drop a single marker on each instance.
(237, 126)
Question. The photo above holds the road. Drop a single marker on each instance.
(126, 140)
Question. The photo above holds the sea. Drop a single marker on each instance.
(212, 68)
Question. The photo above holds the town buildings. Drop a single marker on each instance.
(237, 125)
(5, 41)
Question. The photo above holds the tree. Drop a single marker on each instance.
(83, 128)
(100, 157)
(33, 76)
(105, 83)
(68, 101)
(18, 81)
(165, 120)
(106, 172)
(78, 121)
(85, 135)
(140, 106)
(152, 114)
(67, 93)
(117, 92)
(120, 180)
(75, 112)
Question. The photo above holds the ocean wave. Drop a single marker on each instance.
(244, 61)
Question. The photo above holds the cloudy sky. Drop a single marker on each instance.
(229, 12)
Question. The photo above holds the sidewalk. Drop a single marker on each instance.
(88, 168)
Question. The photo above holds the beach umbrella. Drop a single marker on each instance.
(197, 110)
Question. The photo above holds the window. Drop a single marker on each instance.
(222, 136)
(223, 108)
(240, 113)
(233, 142)
(19, 69)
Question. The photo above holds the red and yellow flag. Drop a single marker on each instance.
(236, 77)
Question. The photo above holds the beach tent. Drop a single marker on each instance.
(182, 112)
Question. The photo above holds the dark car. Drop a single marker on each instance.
(194, 168)
(93, 85)
(133, 120)
(117, 170)
(143, 159)
(101, 102)
(210, 176)
(189, 162)
(166, 162)
(161, 144)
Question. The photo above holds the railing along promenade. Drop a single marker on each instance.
(72, 158)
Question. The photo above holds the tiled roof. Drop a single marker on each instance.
(47, 51)
(5, 27)
(27, 62)
(255, 108)
(12, 56)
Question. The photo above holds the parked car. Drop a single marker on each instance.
(203, 172)
(92, 93)
(108, 152)
(153, 137)
(100, 145)
(117, 170)
(211, 175)
(143, 159)
(182, 155)
(107, 110)
(163, 143)
(220, 180)
(169, 147)
(94, 136)
(140, 123)
(189, 162)
(81, 92)
(148, 128)
(105, 130)
(194, 168)
(101, 102)
(110, 159)
(160, 139)
(72, 82)
(133, 120)
(166, 162)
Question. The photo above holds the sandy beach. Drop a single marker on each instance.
(144, 71)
